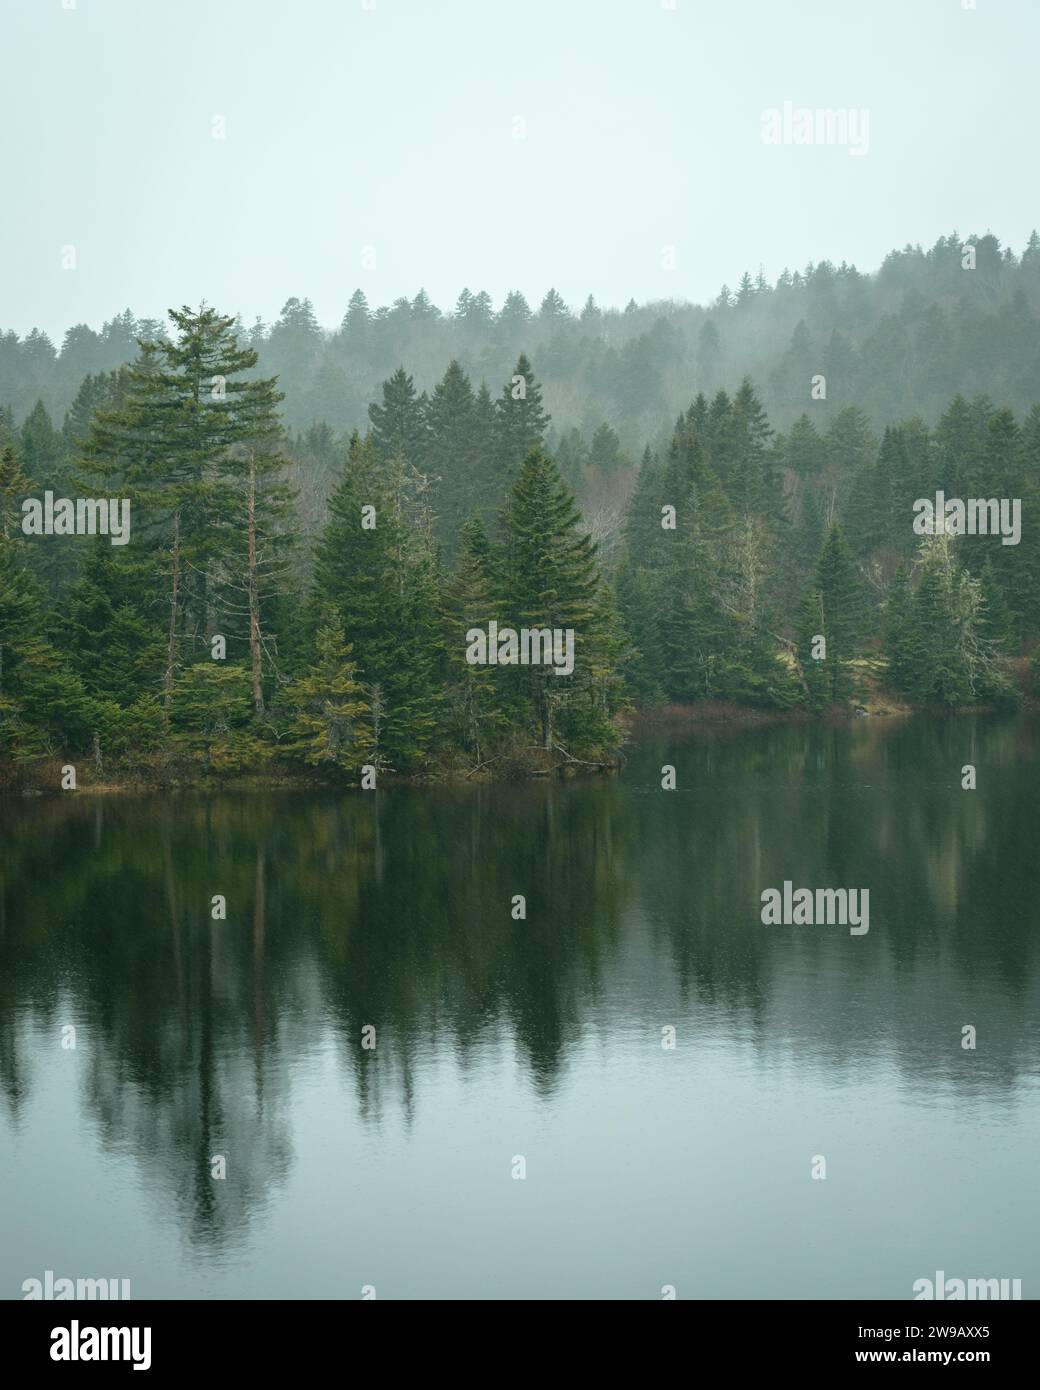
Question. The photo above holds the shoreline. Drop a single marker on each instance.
(42, 778)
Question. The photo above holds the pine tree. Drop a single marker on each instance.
(20, 614)
(43, 707)
(174, 448)
(549, 580)
(521, 422)
(591, 314)
(42, 452)
(452, 452)
(899, 643)
(330, 719)
(108, 642)
(937, 675)
(553, 310)
(355, 325)
(996, 630)
(399, 429)
(515, 314)
(804, 451)
(605, 454)
(209, 713)
(843, 611)
(475, 714)
(850, 443)
(755, 486)
(258, 545)
(709, 356)
(380, 578)
(14, 486)
(1007, 469)
(811, 656)
(295, 339)
(572, 459)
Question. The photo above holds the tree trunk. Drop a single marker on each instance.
(254, 597)
(171, 646)
(547, 720)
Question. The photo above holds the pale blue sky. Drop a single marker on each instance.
(393, 128)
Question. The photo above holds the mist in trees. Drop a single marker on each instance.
(301, 593)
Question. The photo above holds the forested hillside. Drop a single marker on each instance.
(302, 597)
(896, 343)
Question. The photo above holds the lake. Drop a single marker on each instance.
(390, 1158)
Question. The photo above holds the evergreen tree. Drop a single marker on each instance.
(43, 707)
(175, 449)
(521, 422)
(14, 487)
(515, 314)
(572, 459)
(606, 458)
(42, 452)
(355, 325)
(549, 580)
(380, 579)
(842, 610)
(755, 486)
(108, 642)
(899, 647)
(475, 714)
(209, 713)
(553, 310)
(452, 452)
(399, 429)
(330, 719)
(803, 450)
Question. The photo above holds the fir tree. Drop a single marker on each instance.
(381, 580)
(842, 609)
(330, 719)
(399, 428)
(475, 714)
(209, 713)
(174, 448)
(549, 579)
(452, 452)
(521, 421)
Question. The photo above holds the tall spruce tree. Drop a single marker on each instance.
(330, 719)
(451, 453)
(378, 575)
(843, 611)
(474, 707)
(549, 579)
(175, 448)
(521, 422)
(399, 429)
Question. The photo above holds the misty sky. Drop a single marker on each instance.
(393, 128)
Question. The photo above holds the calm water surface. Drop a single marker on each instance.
(496, 1038)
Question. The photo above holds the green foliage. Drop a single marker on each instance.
(209, 714)
(944, 642)
(521, 422)
(330, 721)
(381, 580)
(195, 445)
(843, 613)
(549, 578)
(713, 571)
(474, 700)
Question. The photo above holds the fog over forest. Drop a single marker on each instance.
(896, 341)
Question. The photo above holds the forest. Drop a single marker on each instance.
(302, 571)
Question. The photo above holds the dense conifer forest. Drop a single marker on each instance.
(719, 504)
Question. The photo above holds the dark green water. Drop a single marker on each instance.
(498, 1038)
